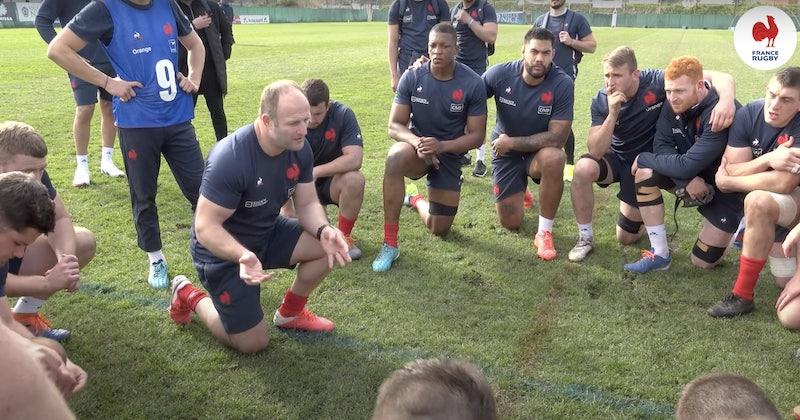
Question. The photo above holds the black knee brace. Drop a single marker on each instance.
(601, 163)
(629, 225)
(706, 252)
(439, 209)
(644, 191)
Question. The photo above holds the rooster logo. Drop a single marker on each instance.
(649, 98)
(762, 32)
(547, 98)
(293, 172)
(330, 134)
(457, 95)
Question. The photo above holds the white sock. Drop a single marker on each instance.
(155, 256)
(481, 152)
(107, 153)
(545, 224)
(585, 231)
(658, 240)
(28, 305)
(83, 160)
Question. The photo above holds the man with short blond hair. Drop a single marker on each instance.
(238, 231)
(685, 157)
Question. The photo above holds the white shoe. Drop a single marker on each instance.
(81, 178)
(581, 250)
(108, 168)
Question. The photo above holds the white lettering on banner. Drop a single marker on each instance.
(253, 19)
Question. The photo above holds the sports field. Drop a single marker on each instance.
(557, 340)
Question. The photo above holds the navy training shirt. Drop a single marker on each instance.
(750, 130)
(578, 27)
(471, 50)
(338, 130)
(684, 145)
(142, 44)
(638, 117)
(416, 21)
(525, 110)
(439, 108)
(240, 176)
(64, 11)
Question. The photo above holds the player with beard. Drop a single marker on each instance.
(534, 102)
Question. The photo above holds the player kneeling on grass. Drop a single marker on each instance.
(53, 261)
(763, 160)
(534, 114)
(443, 100)
(685, 157)
(335, 139)
(238, 231)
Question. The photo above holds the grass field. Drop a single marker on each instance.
(557, 340)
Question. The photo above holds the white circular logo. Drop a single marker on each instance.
(765, 38)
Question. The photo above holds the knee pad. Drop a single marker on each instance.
(601, 163)
(648, 193)
(439, 209)
(706, 252)
(782, 267)
(629, 225)
(787, 207)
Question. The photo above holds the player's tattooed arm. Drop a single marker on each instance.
(555, 136)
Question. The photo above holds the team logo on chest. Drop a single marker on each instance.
(506, 101)
(293, 172)
(783, 138)
(330, 135)
(458, 97)
(137, 36)
(649, 98)
(167, 28)
(546, 99)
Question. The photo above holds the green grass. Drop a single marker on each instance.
(557, 340)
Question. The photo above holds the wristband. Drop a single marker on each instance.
(321, 228)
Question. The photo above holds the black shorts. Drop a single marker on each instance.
(238, 304)
(621, 173)
(86, 93)
(510, 174)
(448, 176)
(724, 211)
(323, 186)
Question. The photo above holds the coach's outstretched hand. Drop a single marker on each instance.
(251, 271)
(334, 244)
(122, 89)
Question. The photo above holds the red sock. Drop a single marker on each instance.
(390, 233)
(346, 225)
(413, 200)
(292, 304)
(748, 277)
(191, 295)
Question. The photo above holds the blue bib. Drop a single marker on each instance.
(144, 49)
